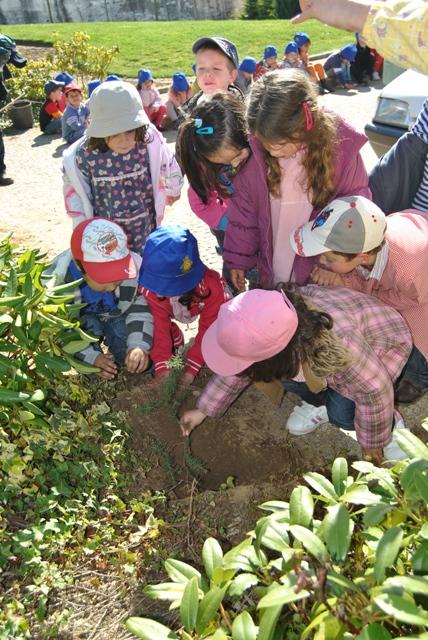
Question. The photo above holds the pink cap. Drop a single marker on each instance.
(252, 327)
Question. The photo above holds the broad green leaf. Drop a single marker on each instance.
(360, 494)
(219, 634)
(337, 529)
(424, 531)
(314, 624)
(37, 396)
(165, 591)
(190, 604)
(11, 301)
(274, 505)
(374, 631)
(243, 627)
(75, 346)
(280, 596)
(402, 609)
(272, 534)
(330, 627)
(208, 607)
(12, 397)
(323, 486)
(149, 629)
(407, 478)
(420, 559)
(375, 513)
(81, 367)
(244, 557)
(268, 623)
(387, 551)
(411, 444)
(241, 583)
(180, 571)
(339, 474)
(340, 580)
(412, 584)
(221, 575)
(212, 555)
(311, 542)
(33, 408)
(421, 482)
(52, 362)
(301, 506)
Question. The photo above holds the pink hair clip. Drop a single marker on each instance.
(308, 116)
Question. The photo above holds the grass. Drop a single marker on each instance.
(165, 47)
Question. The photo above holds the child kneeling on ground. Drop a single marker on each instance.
(177, 285)
(113, 311)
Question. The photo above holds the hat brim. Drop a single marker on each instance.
(217, 359)
(124, 269)
(122, 122)
(172, 286)
(218, 43)
(305, 243)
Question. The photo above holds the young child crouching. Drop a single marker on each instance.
(177, 285)
(75, 117)
(114, 311)
(50, 114)
(386, 257)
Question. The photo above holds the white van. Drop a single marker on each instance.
(397, 109)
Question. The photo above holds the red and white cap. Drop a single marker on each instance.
(102, 247)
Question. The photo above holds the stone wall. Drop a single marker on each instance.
(37, 11)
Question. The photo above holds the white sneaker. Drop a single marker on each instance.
(393, 451)
(376, 75)
(306, 418)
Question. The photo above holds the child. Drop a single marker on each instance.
(75, 117)
(151, 98)
(112, 309)
(178, 93)
(246, 72)
(216, 69)
(314, 69)
(178, 285)
(92, 85)
(303, 157)
(123, 170)
(291, 58)
(50, 113)
(384, 257)
(269, 62)
(338, 65)
(362, 66)
(66, 78)
(348, 345)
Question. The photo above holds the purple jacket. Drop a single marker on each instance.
(248, 240)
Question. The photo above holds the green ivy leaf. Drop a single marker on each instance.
(190, 604)
(337, 529)
(243, 627)
(311, 542)
(212, 555)
(149, 629)
(301, 506)
(387, 551)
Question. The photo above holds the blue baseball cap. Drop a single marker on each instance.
(291, 47)
(92, 85)
(144, 75)
(226, 46)
(349, 52)
(270, 51)
(179, 82)
(171, 264)
(248, 65)
(64, 77)
(112, 77)
(301, 38)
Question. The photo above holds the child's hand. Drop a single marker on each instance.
(187, 379)
(374, 455)
(191, 419)
(161, 377)
(238, 278)
(106, 363)
(326, 278)
(136, 360)
(171, 199)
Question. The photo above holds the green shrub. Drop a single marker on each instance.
(346, 558)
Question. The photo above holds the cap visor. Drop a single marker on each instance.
(103, 272)
(217, 359)
(306, 243)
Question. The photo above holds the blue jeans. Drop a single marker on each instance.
(53, 127)
(340, 410)
(416, 369)
(346, 73)
(112, 331)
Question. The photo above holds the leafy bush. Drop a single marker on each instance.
(347, 558)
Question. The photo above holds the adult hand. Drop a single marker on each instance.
(344, 14)
(238, 278)
(374, 455)
(171, 199)
(136, 360)
(106, 363)
(326, 278)
(191, 419)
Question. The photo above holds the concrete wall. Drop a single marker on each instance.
(37, 11)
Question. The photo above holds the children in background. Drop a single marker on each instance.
(338, 65)
(386, 257)
(66, 78)
(269, 62)
(349, 347)
(362, 66)
(150, 97)
(303, 157)
(315, 69)
(92, 85)
(246, 71)
(113, 311)
(177, 285)
(50, 113)
(178, 93)
(75, 117)
(112, 77)
(291, 59)
(123, 169)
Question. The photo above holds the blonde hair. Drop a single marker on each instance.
(277, 112)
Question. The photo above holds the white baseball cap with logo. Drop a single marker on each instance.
(102, 248)
(352, 224)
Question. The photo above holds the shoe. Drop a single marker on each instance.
(407, 392)
(392, 451)
(5, 181)
(376, 75)
(306, 418)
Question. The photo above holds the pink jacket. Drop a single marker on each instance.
(248, 240)
(210, 213)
